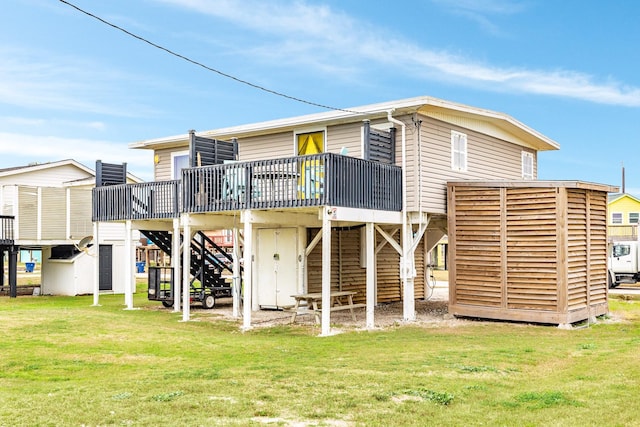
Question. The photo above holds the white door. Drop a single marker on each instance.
(277, 266)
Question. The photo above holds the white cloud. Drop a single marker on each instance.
(50, 123)
(301, 32)
(493, 7)
(36, 148)
(482, 12)
(33, 79)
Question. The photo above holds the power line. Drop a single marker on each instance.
(206, 67)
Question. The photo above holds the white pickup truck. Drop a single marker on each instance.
(624, 266)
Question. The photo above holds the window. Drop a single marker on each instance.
(616, 218)
(179, 161)
(621, 250)
(458, 151)
(527, 165)
(311, 179)
(633, 217)
(310, 143)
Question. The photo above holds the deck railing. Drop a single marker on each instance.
(6, 230)
(314, 180)
(623, 232)
(148, 200)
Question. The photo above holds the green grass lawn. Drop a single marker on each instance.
(63, 362)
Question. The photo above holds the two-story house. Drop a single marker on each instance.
(624, 216)
(47, 207)
(350, 199)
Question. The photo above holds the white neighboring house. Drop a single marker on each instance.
(52, 206)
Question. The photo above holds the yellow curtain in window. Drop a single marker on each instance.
(310, 143)
(312, 173)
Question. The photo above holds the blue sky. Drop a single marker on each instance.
(73, 87)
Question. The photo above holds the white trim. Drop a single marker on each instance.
(315, 129)
(424, 105)
(49, 165)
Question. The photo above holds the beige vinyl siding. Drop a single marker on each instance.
(52, 177)
(348, 136)
(53, 213)
(273, 146)
(266, 146)
(27, 213)
(162, 169)
(488, 158)
(53, 204)
(9, 193)
(80, 213)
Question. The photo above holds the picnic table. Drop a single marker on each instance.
(311, 303)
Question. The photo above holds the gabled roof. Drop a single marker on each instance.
(494, 123)
(33, 167)
(615, 197)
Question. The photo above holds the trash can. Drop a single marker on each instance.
(29, 266)
(140, 266)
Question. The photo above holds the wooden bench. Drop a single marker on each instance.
(340, 300)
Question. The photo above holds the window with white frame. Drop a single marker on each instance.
(458, 151)
(633, 217)
(179, 161)
(527, 165)
(616, 218)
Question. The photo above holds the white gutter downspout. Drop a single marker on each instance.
(409, 313)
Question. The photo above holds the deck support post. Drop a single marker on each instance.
(96, 264)
(237, 278)
(370, 242)
(326, 274)
(175, 263)
(407, 274)
(129, 266)
(13, 271)
(186, 267)
(248, 270)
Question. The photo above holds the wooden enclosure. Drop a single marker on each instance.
(532, 251)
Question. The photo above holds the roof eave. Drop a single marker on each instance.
(400, 107)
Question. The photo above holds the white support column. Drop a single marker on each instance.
(406, 264)
(67, 216)
(175, 264)
(96, 264)
(326, 274)
(129, 266)
(39, 214)
(370, 242)
(248, 270)
(406, 272)
(186, 268)
(302, 260)
(237, 278)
